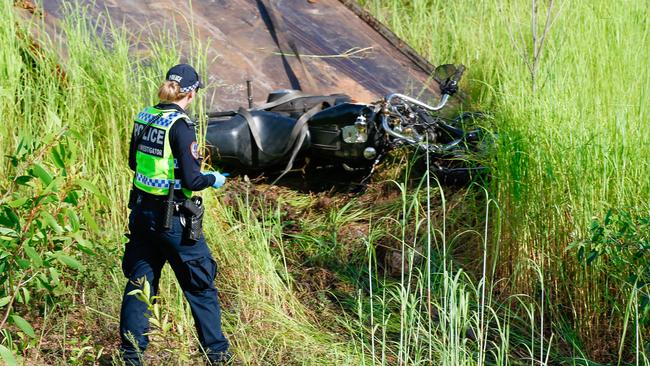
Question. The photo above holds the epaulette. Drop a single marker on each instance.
(189, 121)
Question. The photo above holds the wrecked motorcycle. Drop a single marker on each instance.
(332, 130)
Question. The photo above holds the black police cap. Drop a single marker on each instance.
(186, 76)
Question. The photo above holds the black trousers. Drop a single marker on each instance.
(147, 251)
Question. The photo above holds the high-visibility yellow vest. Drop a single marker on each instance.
(154, 160)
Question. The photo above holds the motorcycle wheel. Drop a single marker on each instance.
(469, 120)
(464, 165)
(459, 175)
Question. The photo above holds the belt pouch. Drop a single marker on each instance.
(133, 197)
(168, 213)
(193, 210)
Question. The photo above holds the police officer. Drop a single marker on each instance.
(164, 153)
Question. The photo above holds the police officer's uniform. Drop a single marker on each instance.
(167, 152)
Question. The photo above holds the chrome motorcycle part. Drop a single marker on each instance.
(249, 93)
(396, 132)
(406, 98)
(390, 131)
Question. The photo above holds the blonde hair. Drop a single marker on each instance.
(170, 91)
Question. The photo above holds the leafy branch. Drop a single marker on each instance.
(39, 230)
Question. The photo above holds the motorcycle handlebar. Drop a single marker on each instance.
(447, 90)
(406, 98)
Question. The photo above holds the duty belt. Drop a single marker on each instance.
(149, 200)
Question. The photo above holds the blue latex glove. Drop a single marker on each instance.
(220, 178)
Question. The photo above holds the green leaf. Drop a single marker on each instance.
(19, 298)
(61, 239)
(5, 231)
(90, 220)
(55, 276)
(72, 148)
(8, 356)
(23, 180)
(27, 296)
(4, 301)
(93, 189)
(10, 219)
(34, 256)
(591, 256)
(134, 292)
(58, 159)
(23, 325)
(39, 171)
(83, 244)
(69, 261)
(54, 185)
(25, 147)
(23, 263)
(18, 202)
(44, 199)
(13, 159)
(146, 291)
(51, 222)
(73, 218)
(72, 198)
(44, 281)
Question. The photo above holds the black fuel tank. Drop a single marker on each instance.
(343, 114)
(326, 129)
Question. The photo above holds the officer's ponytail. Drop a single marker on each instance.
(170, 91)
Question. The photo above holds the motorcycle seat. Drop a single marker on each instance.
(274, 131)
(232, 134)
(260, 138)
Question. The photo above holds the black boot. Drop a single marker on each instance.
(222, 359)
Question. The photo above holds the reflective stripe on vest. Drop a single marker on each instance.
(164, 121)
(154, 161)
(156, 183)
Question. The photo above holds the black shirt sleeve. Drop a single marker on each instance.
(182, 137)
(132, 150)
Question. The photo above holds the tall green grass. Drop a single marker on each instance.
(502, 276)
(568, 152)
